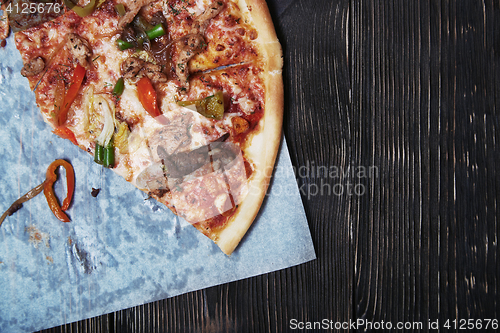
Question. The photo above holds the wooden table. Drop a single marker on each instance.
(412, 90)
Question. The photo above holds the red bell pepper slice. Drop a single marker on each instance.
(65, 133)
(48, 188)
(147, 96)
(76, 83)
(58, 99)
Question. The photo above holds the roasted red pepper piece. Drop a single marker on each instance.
(147, 96)
(59, 99)
(76, 83)
(48, 188)
(65, 133)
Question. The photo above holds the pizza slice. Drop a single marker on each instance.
(183, 98)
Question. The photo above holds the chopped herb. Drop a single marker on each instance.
(174, 10)
(204, 80)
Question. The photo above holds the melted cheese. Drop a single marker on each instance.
(246, 105)
(142, 153)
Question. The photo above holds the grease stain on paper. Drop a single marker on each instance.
(37, 237)
(82, 256)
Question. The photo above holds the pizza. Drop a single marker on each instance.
(182, 98)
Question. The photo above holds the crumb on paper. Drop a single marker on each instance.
(49, 259)
(95, 192)
(37, 237)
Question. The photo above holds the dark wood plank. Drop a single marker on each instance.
(425, 100)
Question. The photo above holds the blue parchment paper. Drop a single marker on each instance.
(120, 249)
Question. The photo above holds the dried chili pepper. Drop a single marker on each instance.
(19, 202)
(48, 189)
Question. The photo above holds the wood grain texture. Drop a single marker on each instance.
(411, 89)
(425, 99)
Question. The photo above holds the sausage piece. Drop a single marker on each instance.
(191, 45)
(154, 73)
(33, 67)
(80, 48)
(131, 67)
(134, 67)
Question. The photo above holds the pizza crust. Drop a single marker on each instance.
(269, 135)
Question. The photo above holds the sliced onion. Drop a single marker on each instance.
(88, 106)
(128, 35)
(143, 39)
(108, 112)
